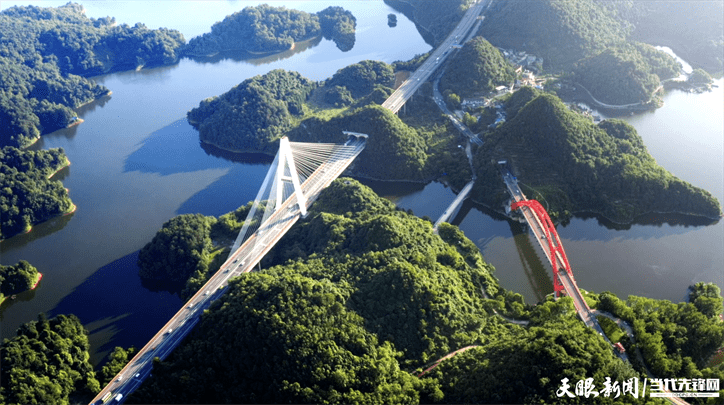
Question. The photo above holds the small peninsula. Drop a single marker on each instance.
(47, 54)
(27, 195)
(267, 29)
(18, 278)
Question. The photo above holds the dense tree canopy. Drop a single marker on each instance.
(254, 114)
(264, 28)
(359, 292)
(44, 52)
(178, 250)
(562, 32)
(47, 363)
(361, 78)
(580, 166)
(626, 73)
(16, 279)
(339, 25)
(675, 339)
(27, 195)
(692, 29)
(477, 68)
(527, 366)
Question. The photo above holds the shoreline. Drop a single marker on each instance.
(426, 181)
(60, 168)
(40, 277)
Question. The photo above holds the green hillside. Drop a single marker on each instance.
(626, 73)
(580, 166)
(476, 68)
(254, 113)
(562, 32)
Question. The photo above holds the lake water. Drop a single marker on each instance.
(137, 163)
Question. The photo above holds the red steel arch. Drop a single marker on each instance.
(558, 258)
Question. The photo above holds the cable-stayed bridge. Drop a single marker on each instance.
(299, 172)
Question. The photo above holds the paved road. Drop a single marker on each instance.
(437, 96)
(242, 261)
(408, 88)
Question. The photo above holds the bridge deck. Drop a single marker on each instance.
(455, 204)
(409, 86)
(569, 284)
(242, 261)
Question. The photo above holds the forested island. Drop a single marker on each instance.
(46, 54)
(27, 195)
(268, 29)
(18, 278)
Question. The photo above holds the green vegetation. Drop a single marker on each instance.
(527, 366)
(266, 29)
(477, 68)
(361, 78)
(253, 114)
(612, 331)
(44, 52)
(358, 295)
(706, 297)
(27, 195)
(694, 30)
(178, 250)
(626, 73)
(339, 25)
(16, 279)
(118, 359)
(699, 77)
(395, 151)
(47, 363)
(562, 32)
(675, 340)
(580, 166)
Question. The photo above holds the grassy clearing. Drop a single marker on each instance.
(610, 328)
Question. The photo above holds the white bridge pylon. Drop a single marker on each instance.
(298, 173)
(286, 163)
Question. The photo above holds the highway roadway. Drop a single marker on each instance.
(410, 86)
(242, 261)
